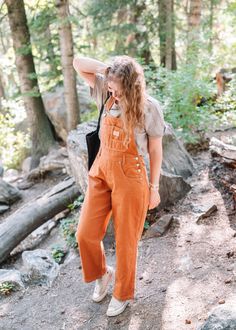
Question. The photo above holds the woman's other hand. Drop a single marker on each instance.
(154, 199)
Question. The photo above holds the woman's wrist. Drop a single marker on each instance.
(89, 65)
(153, 186)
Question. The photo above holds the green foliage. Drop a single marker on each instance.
(76, 203)
(6, 288)
(226, 102)
(42, 21)
(68, 228)
(181, 93)
(58, 253)
(90, 115)
(32, 93)
(146, 225)
(68, 225)
(14, 145)
(224, 107)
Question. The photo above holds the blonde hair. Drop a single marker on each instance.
(129, 73)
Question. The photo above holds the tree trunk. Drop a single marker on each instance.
(122, 14)
(2, 90)
(66, 45)
(167, 34)
(138, 42)
(162, 31)
(32, 215)
(2, 35)
(211, 26)
(50, 52)
(41, 132)
(170, 36)
(194, 20)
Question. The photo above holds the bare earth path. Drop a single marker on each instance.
(180, 276)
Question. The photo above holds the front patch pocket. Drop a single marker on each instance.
(132, 169)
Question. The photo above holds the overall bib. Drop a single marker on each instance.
(117, 185)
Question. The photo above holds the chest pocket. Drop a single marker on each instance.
(113, 137)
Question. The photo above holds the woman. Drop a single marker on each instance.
(132, 125)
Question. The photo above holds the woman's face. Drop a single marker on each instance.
(115, 88)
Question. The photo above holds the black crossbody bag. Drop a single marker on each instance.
(92, 139)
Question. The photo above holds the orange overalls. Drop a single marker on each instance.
(117, 185)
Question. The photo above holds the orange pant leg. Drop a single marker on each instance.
(129, 208)
(93, 221)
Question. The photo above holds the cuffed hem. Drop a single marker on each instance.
(129, 297)
(91, 279)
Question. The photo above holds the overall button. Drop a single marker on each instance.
(137, 164)
(139, 170)
(136, 158)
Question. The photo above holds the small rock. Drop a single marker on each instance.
(229, 269)
(228, 281)
(13, 276)
(24, 184)
(230, 254)
(206, 210)
(221, 301)
(198, 267)
(8, 193)
(187, 321)
(159, 227)
(4, 208)
(25, 165)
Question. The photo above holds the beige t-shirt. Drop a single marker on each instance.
(154, 119)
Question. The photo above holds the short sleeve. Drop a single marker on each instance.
(154, 119)
(97, 93)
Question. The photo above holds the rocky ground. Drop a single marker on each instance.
(181, 276)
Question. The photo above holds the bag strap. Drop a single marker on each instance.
(101, 111)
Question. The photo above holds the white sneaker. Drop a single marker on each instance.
(101, 285)
(116, 306)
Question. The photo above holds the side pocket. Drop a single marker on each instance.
(94, 168)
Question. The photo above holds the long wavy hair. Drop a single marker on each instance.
(129, 73)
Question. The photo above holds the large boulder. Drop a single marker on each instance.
(176, 159)
(176, 167)
(56, 108)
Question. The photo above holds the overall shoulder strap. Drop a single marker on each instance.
(101, 110)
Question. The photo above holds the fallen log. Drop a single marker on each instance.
(33, 214)
(226, 151)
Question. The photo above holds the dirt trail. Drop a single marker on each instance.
(181, 276)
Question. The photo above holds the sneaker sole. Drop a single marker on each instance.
(100, 298)
(118, 311)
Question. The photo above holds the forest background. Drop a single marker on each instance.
(182, 46)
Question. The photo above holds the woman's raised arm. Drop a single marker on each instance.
(87, 68)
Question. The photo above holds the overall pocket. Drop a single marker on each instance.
(132, 168)
(113, 137)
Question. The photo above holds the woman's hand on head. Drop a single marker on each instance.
(87, 68)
